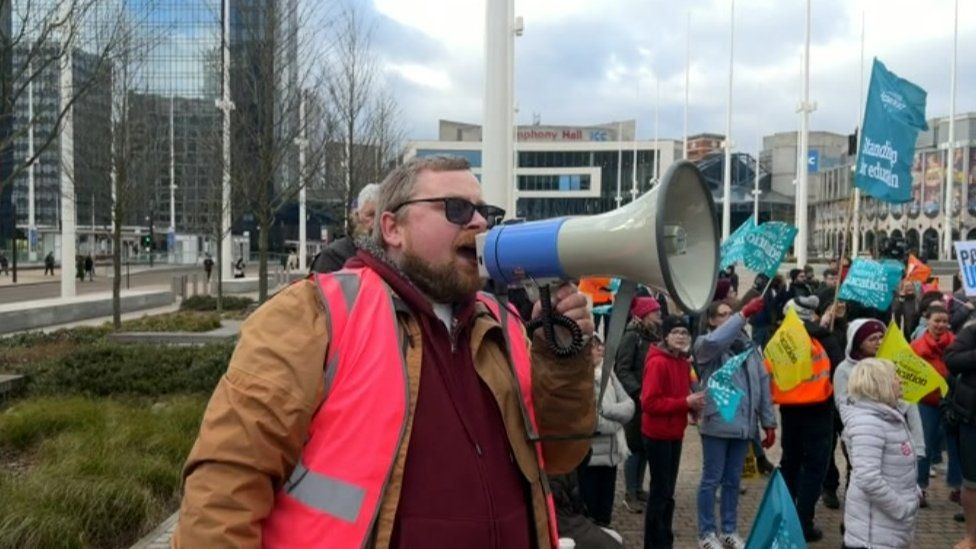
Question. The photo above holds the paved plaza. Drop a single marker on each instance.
(935, 530)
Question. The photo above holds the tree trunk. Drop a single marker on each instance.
(264, 227)
(117, 265)
(220, 272)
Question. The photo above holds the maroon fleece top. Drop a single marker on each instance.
(461, 486)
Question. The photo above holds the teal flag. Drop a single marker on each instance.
(871, 283)
(766, 245)
(777, 525)
(893, 116)
(732, 249)
(726, 395)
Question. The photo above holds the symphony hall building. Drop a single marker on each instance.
(565, 170)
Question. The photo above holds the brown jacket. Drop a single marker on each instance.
(256, 422)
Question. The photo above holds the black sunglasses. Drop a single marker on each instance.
(460, 211)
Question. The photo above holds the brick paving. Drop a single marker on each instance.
(935, 528)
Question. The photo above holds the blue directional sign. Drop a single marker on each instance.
(813, 160)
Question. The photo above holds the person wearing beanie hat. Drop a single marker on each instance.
(864, 337)
(666, 402)
(642, 331)
(805, 306)
(641, 306)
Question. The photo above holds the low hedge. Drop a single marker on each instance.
(107, 368)
(182, 321)
(209, 303)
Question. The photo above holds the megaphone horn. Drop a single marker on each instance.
(667, 239)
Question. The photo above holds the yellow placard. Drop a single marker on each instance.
(788, 353)
(918, 377)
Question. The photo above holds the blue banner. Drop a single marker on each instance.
(893, 116)
(732, 249)
(871, 283)
(766, 245)
(726, 395)
(777, 525)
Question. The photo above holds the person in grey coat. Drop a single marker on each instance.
(598, 477)
(883, 497)
(863, 341)
(725, 443)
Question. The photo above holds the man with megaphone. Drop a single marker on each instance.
(390, 403)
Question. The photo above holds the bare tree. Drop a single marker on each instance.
(351, 88)
(281, 45)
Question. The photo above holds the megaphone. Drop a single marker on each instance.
(666, 239)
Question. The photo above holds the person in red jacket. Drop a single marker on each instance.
(666, 401)
(931, 346)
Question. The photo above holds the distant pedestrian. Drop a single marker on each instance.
(239, 268)
(208, 264)
(4, 264)
(80, 268)
(90, 267)
(49, 264)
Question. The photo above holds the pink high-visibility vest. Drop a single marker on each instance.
(333, 496)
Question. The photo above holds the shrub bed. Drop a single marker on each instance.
(111, 369)
(182, 321)
(209, 303)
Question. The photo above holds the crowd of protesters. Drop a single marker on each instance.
(892, 450)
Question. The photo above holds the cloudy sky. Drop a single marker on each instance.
(591, 61)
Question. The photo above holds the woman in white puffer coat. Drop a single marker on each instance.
(883, 496)
(598, 477)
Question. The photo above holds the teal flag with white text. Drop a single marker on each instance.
(893, 115)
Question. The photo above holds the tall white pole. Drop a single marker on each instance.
(755, 190)
(31, 216)
(67, 153)
(684, 154)
(657, 127)
(950, 158)
(856, 237)
(620, 161)
(727, 171)
(801, 189)
(302, 196)
(226, 106)
(633, 175)
(496, 149)
(172, 166)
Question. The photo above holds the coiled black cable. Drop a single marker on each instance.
(548, 321)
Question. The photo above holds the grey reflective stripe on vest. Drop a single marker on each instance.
(349, 283)
(329, 495)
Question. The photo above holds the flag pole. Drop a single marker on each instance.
(950, 154)
(856, 236)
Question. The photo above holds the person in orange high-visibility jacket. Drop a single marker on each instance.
(392, 404)
(807, 413)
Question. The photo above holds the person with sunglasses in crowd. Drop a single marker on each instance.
(391, 403)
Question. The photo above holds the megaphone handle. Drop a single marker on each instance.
(548, 321)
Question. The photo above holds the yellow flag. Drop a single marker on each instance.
(788, 353)
(918, 377)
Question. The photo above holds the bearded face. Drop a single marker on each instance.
(449, 281)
